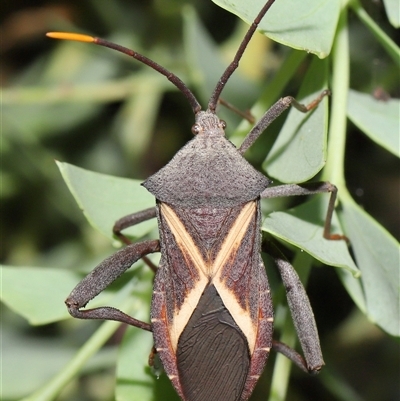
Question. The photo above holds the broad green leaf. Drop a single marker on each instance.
(302, 227)
(38, 294)
(378, 257)
(308, 25)
(299, 152)
(380, 120)
(392, 8)
(104, 199)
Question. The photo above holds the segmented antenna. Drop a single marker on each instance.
(196, 107)
(102, 42)
(212, 104)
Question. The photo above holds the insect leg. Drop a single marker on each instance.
(309, 188)
(291, 354)
(245, 114)
(131, 220)
(302, 315)
(103, 275)
(275, 111)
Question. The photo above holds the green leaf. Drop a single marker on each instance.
(308, 25)
(392, 8)
(302, 227)
(104, 198)
(377, 255)
(38, 294)
(299, 152)
(376, 118)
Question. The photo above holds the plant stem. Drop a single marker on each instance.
(50, 390)
(54, 386)
(334, 169)
(388, 44)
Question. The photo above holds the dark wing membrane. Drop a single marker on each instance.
(243, 286)
(213, 356)
(211, 311)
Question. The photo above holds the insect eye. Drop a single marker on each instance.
(222, 124)
(196, 129)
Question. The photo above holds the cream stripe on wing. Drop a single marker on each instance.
(211, 272)
(229, 249)
(183, 238)
(234, 237)
(189, 248)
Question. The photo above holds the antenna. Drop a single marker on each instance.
(196, 107)
(105, 43)
(212, 104)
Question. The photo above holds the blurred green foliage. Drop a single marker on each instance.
(104, 112)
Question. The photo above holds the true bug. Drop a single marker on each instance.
(211, 314)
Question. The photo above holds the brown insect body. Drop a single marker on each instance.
(210, 243)
(211, 314)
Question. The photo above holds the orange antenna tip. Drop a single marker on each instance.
(70, 36)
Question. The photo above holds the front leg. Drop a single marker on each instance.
(131, 220)
(274, 112)
(309, 188)
(102, 276)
